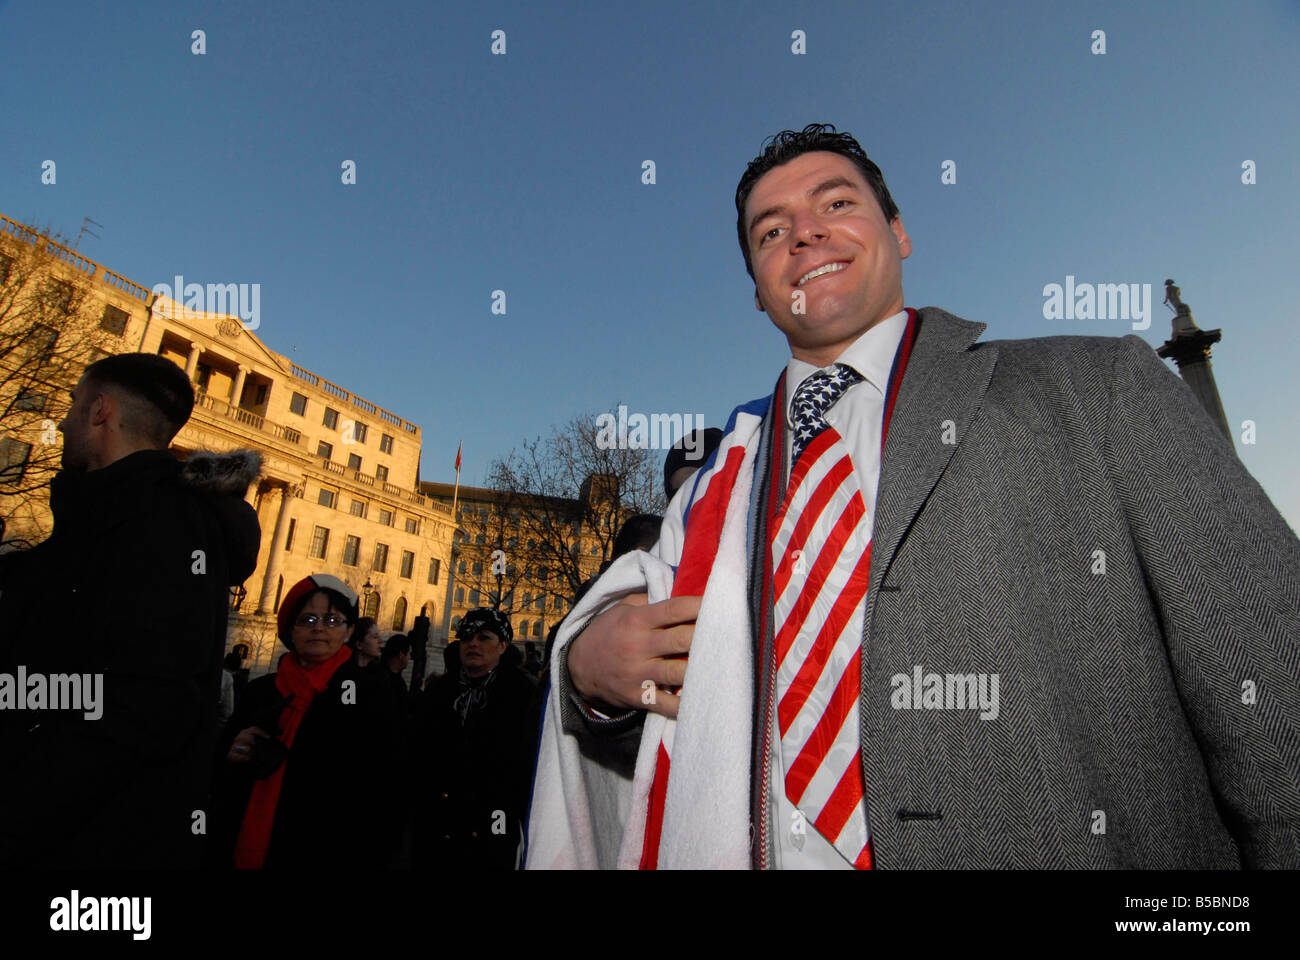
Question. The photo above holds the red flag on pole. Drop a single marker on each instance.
(458, 446)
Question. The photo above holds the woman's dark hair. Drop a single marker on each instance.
(395, 646)
(359, 631)
(788, 144)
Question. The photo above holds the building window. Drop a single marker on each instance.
(359, 432)
(13, 460)
(114, 320)
(558, 605)
(399, 614)
(386, 517)
(541, 602)
(298, 404)
(354, 462)
(537, 628)
(261, 395)
(435, 568)
(6, 265)
(331, 418)
(478, 568)
(31, 401)
(351, 547)
(481, 538)
(324, 450)
(412, 525)
(381, 474)
(40, 341)
(61, 293)
(358, 508)
(288, 541)
(385, 444)
(320, 540)
(327, 498)
(381, 557)
(460, 597)
(408, 565)
(464, 566)
(473, 598)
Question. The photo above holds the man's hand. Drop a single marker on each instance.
(630, 643)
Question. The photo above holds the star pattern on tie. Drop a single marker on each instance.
(815, 396)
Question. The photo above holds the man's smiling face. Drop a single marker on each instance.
(815, 228)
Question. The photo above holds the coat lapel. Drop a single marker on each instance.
(945, 380)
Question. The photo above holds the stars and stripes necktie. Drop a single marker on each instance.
(820, 554)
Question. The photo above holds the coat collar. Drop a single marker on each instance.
(946, 380)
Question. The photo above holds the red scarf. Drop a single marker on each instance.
(303, 685)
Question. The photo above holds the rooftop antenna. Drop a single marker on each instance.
(84, 230)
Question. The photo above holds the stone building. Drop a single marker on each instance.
(339, 491)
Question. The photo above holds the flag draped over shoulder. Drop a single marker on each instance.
(687, 805)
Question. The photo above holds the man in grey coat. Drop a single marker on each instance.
(1055, 521)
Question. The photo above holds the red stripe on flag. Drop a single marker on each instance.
(799, 469)
(826, 560)
(843, 800)
(822, 739)
(809, 516)
(864, 860)
(704, 529)
(654, 820)
(805, 681)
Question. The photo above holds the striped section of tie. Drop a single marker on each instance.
(820, 558)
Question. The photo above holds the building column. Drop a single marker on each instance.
(275, 559)
(193, 362)
(237, 390)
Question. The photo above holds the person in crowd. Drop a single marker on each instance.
(366, 642)
(312, 744)
(395, 658)
(532, 661)
(688, 455)
(130, 594)
(226, 701)
(470, 754)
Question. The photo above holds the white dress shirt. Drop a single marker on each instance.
(857, 417)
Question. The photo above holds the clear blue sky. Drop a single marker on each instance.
(523, 173)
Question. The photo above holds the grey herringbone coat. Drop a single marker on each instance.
(1148, 715)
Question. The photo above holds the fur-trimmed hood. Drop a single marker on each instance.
(229, 473)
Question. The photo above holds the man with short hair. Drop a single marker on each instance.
(1009, 604)
(131, 586)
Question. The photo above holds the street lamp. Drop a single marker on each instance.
(366, 589)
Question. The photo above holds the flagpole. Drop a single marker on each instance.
(455, 497)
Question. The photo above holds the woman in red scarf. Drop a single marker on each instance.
(314, 744)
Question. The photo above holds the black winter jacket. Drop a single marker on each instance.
(133, 584)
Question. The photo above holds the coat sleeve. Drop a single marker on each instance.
(1221, 566)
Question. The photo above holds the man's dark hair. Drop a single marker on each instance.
(159, 396)
(395, 646)
(640, 532)
(788, 144)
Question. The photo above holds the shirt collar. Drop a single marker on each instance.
(872, 355)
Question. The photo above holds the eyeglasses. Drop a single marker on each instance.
(310, 620)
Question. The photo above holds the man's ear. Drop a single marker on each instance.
(904, 241)
(758, 304)
(103, 409)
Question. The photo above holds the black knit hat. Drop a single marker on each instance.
(485, 618)
(704, 441)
